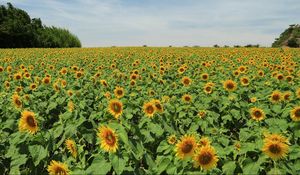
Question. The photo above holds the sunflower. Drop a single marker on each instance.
(186, 98)
(287, 96)
(71, 106)
(204, 76)
(261, 73)
(71, 146)
(279, 77)
(206, 158)
(17, 101)
(132, 82)
(229, 85)
(107, 95)
(19, 89)
(109, 139)
(186, 146)
(289, 78)
(28, 122)
(158, 106)
(115, 108)
(18, 76)
(58, 168)
(56, 86)
(33, 86)
(186, 81)
(208, 89)
(27, 75)
(275, 149)
(7, 84)
(204, 141)
(104, 83)
(119, 92)
(46, 80)
(181, 70)
(149, 109)
(172, 139)
(63, 83)
(63, 71)
(237, 146)
(8, 69)
(295, 114)
(275, 97)
(253, 99)
(244, 81)
(257, 114)
(78, 74)
(26, 97)
(70, 92)
(202, 113)
(242, 69)
(275, 137)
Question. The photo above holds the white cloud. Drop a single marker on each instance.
(162, 22)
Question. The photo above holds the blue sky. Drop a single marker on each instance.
(167, 22)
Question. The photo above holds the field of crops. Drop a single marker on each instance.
(150, 111)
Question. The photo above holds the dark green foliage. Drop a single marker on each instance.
(293, 42)
(290, 37)
(18, 30)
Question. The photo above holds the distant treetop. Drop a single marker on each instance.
(18, 30)
(289, 38)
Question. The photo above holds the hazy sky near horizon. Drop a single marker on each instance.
(100, 23)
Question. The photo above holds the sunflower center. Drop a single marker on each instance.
(60, 171)
(110, 139)
(208, 88)
(204, 76)
(18, 102)
(230, 86)
(287, 96)
(276, 97)
(297, 113)
(275, 148)
(205, 158)
(257, 114)
(158, 106)
(187, 98)
(150, 109)
(116, 107)
(187, 148)
(30, 121)
(186, 81)
(245, 81)
(119, 92)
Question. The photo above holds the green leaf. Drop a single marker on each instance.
(156, 129)
(99, 166)
(162, 165)
(251, 168)
(51, 106)
(18, 161)
(229, 167)
(37, 153)
(118, 164)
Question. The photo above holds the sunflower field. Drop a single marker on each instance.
(133, 110)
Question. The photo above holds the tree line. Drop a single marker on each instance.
(18, 30)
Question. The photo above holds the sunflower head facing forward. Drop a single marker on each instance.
(186, 146)
(28, 122)
(109, 139)
(206, 158)
(115, 108)
(58, 168)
